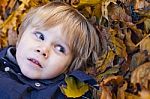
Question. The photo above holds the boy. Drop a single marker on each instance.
(54, 40)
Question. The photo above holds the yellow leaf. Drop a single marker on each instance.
(9, 23)
(26, 2)
(74, 88)
(11, 4)
(87, 2)
(33, 3)
(97, 11)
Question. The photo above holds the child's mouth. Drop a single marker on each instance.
(35, 62)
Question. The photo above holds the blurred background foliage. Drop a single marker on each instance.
(123, 69)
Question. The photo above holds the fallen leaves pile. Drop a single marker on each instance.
(123, 69)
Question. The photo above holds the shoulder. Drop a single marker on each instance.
(83, 77)
(3, 51)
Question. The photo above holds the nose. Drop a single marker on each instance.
(43, 51)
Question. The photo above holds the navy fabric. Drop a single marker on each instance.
(14, 85)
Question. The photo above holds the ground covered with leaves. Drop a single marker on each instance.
(123, 69)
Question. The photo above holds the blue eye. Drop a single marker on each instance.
(39, 35)
(60, 48)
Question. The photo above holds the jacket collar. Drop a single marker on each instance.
(8, 54)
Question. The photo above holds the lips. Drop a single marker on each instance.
(35, 61)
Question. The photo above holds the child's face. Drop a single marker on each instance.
(43, 54)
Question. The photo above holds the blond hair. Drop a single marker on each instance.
(81, 35)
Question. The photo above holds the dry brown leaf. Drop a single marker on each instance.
(130, 46)
(145, 45)
(97, 11)
(103, 34)
(108, 72)
(106, 93)
(105, 61)
(75, 2)
(145, 94)
(139, 4)
(1, 21)
(85, 2)
(4, 42)
(115, 79)
(137, 31)
(138, 59)
(12, 37)
(33, 3)
(121, 91)
(118, 13)
(11, 4)
(118, 44)
(125, 1)
(141, 75)
(147, 25)
(104, 7)
(131, 96)
(3, 3)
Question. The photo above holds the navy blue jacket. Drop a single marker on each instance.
(14, 85)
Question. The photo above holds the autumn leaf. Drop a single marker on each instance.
(118, 13)
(138, 59)
(12, 36)
(74, 88)
(144, 44)
(118, 44)
(114, 79)
(11, 4)
(3, 3)
(105, 61)
(147, 25)
(130, 46)
(86, 2)
(110, 71)
(139, 4)
(136, 30)
(8, 23)
(97, 11)
(121, 91)
(141, 75)
(104, 7)
(131, 96)
(145, 94)
(106, 93)
(25, 2)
